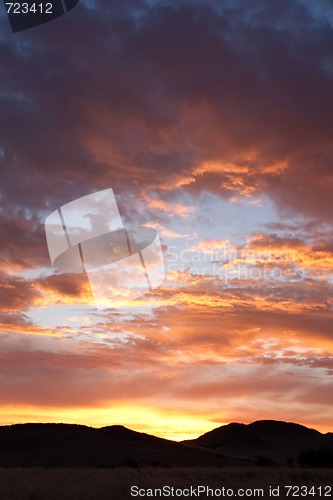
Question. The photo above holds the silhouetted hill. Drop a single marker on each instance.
(266, 438)
(62, 445)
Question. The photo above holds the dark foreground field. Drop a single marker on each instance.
(115, 484)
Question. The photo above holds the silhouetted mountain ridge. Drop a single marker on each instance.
(272, 438)
(62, 445)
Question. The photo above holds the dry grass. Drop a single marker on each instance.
(114, 484)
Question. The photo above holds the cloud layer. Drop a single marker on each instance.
(212, 122)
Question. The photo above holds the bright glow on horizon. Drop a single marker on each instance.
(176, 427)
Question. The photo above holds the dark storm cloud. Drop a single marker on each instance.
(16, 294)
(23, 243)
(118, 94)
(65, 286)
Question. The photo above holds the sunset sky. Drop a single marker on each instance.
(212, 121)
